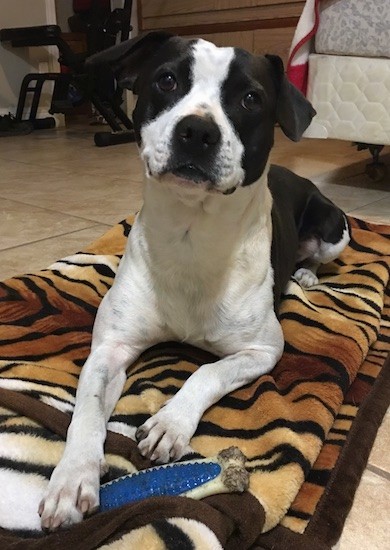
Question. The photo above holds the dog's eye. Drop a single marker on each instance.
(251, 101)
(167, 82)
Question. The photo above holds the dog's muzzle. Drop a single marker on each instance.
(196, 142)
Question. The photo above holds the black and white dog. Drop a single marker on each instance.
(219, 235)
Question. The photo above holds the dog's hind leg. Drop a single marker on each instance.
(317, 250)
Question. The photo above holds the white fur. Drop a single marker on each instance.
(306, 277)
(20, 496)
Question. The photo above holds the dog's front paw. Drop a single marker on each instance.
(73, 491)
(305, 277)
(165, 436)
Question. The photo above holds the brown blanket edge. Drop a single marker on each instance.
(328, 521)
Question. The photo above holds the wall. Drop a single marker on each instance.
(64, 9)
(15, 63)
(259, 26)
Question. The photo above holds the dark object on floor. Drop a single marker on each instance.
(9, 126)
(79, 83)
(375, 170)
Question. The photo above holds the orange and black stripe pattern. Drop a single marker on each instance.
(291, 423)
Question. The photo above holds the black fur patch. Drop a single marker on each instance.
(255, 128)
(173, 537)
(174, 57)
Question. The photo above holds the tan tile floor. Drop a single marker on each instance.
(58, 192)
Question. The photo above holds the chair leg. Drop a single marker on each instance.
(24, 88)
(36, 98)
(119, 112)
(106, 112)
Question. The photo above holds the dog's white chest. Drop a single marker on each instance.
(220, 316)
(213, 288)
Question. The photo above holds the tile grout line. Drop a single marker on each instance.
(379, 472)
(79, 172)
(75, 216)
(96, 224)
(370, 203)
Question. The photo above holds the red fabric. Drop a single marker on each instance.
(298, 72)
(298, 75)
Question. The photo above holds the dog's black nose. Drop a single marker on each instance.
(197, 135)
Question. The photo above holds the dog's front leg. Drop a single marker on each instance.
(73, 489)
(166, 435)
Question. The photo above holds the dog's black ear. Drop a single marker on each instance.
(293, 111)
(127, 58)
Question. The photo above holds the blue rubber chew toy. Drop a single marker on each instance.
(197, 479)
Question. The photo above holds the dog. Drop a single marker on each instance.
(218, 237)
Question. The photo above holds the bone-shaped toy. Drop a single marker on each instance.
(199, 478)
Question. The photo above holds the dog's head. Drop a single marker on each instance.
(205, 115)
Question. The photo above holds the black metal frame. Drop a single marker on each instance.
(82, 79)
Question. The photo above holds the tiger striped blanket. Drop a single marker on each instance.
(306, 428)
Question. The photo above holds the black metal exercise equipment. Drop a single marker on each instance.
(84, 84)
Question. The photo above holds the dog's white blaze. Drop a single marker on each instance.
(209, 70)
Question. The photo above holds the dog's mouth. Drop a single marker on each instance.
(191, 172)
